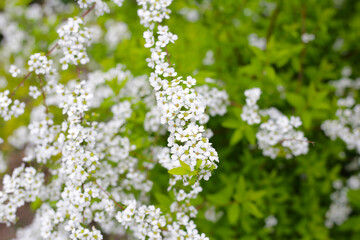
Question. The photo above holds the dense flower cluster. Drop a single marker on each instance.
(347, 128)
(271, 221)
(347, 125)
(101, 7)
(39, 64)
(340, 208)
(73, 39)
(10, 108)
(209, 58)
(178, 102)
(116, 32)
(256, 41)
(345, 83)
(277, 135)
(24, 185)
(307, 37)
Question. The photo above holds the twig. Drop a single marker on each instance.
(235, 104)
(88, 11)
(52, 49)
(78, 71)
(303, 51)
(110, 197)
(299, 140)
(168, 56)
(272, 22)
(44, 95)
(20, 84)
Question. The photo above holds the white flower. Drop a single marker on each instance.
(34, 92)
(14, 71)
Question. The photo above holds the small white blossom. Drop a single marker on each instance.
(14, 71)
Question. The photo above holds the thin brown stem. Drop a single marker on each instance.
(272, 22)
(167, 56)
(235, 104)
(88, 11)
(52, 49)
(303, 51)
(109, 196)
(299, 140)
(20, 84)
(78, 72)
(43, 94)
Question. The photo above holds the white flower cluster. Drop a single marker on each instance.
(180, 105)
(24, 185)
(209, 58)
(213, 216)
(8, 110)
(34, 92)
(190, 14)
(271, 221)
(73, 39)
(307, 37)
(347, 125)
(39, 64)
(19, 137)
(14, 38)
(153, 11)
(74, 202)
(340, 208)
(100, 6)
(216, 100)
(147, 222)
(345, 83)
(256, 41)
(144, 221)
(277, 135)
(14, 71)
(250, 110)
(116, 32)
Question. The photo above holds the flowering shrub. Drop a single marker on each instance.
(171, 119)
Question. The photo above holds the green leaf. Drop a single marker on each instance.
(178, 171)
(354, 198)
(259, 53)
(352, 224)
(163, 200)
(250, 135)
(185, 166)
(36, 204)
(296, 100)
(198, 163)
(231, 123)
(306, 118)
(252, 209)
(222, 197)
(240, 189)
(236, 137)
(256, 195)
(193, 180)
(233, 213)
(270, 73)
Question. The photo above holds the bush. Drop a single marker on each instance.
(192, 119)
